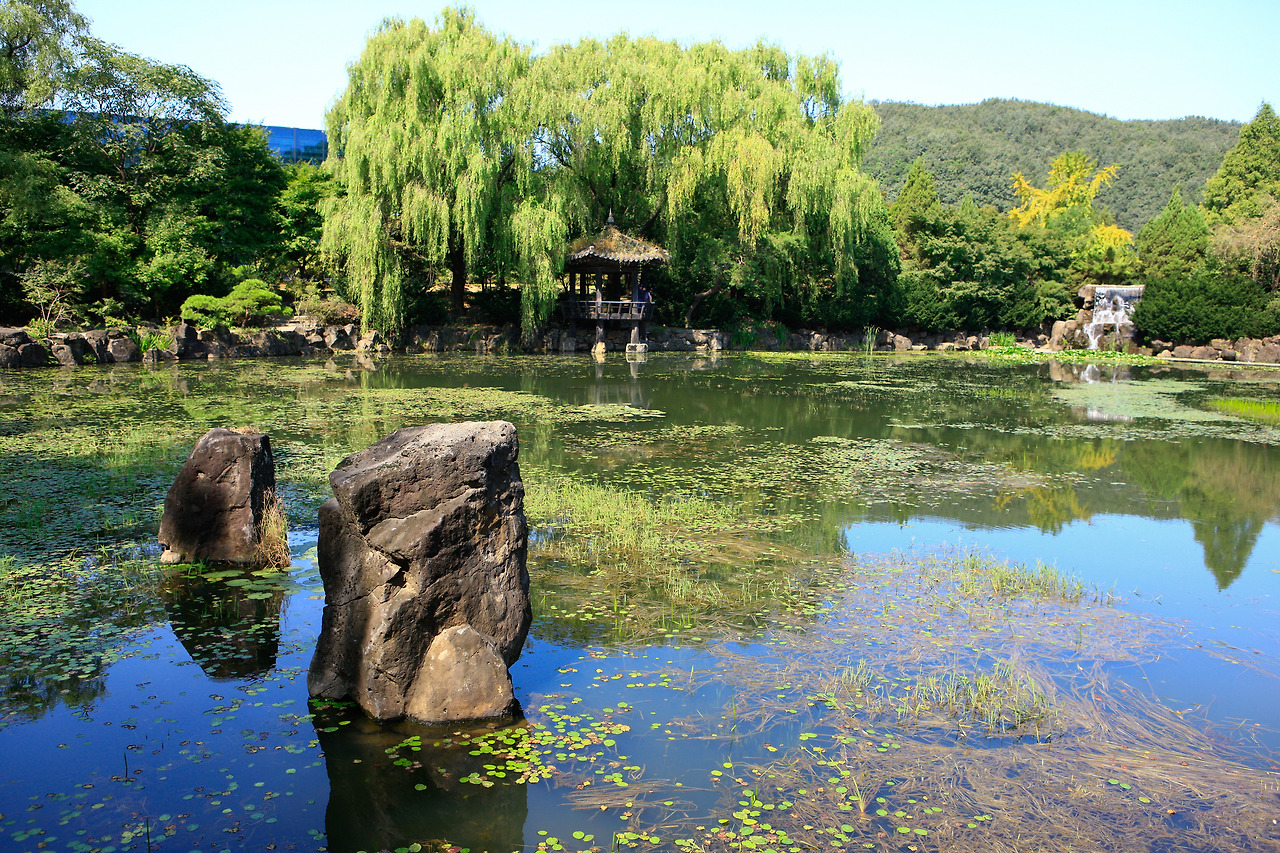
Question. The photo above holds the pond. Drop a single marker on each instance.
(781, 603)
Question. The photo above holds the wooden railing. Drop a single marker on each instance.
(590, 309)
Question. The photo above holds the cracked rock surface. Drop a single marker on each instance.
(425, 535)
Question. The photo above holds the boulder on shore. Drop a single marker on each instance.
(422, 553)
(213, 511)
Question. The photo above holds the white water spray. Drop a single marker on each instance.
(1112, 308)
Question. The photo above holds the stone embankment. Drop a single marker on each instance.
(768, 339)
(305, 338)
(184, 341)
(1245, 350)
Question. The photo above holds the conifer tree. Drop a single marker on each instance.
(1174, 243)
(1248, 182)
(917, 199)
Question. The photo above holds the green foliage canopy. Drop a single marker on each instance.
(38, 42)
(973, 148)
(967, 267)
(738, 161)
(134, 192)
(1102, 252)
(422, 146)
(1211, 303)
(250, 302)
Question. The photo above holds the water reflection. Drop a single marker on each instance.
(379, 801)
(232, 630)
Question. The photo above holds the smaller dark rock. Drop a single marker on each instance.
(72, 349)
(14, 337)
(186, 342)
(214, 509)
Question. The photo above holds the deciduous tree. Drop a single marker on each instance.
(39, 40)
(450, 142)
(423, 143)
(1102, 251)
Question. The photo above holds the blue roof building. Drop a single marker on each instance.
(297, 144)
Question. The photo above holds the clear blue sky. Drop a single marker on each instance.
(283, 62)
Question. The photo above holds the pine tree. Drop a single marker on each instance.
(1174, 243)
(917, 199)
(1248, 181)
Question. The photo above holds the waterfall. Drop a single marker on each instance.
(1112, 307)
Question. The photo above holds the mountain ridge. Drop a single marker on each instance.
(976, 148)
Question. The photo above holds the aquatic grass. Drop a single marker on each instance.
(1003, 339)
(1266, 411)
(883, 754)
(593, 524)
(1001, 702)
(867, 759)
(272, 549)
(979, 575)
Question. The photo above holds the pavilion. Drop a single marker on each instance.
(604, 281)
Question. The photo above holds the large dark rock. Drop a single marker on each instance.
(72, 349)
(426, 533)
(32, 355)
(123, 349)
(214, 509)
(186, 342)
(340, 337)
(98, 341)
(13, 337)
(269, 342)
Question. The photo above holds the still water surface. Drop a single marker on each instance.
(174, 716)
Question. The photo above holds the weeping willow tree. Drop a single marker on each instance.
(422, 145)
(746, 164)
(455, 146)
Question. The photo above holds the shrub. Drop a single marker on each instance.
(1209, 304)
(326, 311)
(251, 302)
(204, 311)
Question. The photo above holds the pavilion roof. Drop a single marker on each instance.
(612, 245)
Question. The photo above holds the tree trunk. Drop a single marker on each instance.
(697, 300)
(458, 288)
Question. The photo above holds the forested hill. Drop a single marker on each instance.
(975, 148)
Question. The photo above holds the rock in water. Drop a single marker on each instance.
(422, 554)
(213, 511)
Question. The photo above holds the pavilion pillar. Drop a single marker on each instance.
(599, 307)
